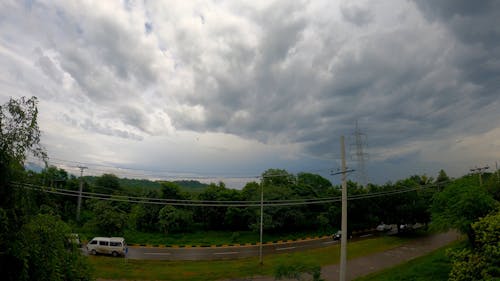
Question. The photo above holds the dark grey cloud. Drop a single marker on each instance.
(49, 68)
(356, 15)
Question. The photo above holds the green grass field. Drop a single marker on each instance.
(434, 266)
(114, 268)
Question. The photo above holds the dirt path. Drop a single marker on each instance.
(372, 263)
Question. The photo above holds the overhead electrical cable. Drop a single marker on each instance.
(213, 203)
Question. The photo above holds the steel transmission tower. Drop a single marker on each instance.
(359, 142)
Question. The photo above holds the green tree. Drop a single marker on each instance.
(107, 184)
(442, 177)
(480, 262)
(172, 219)
(460, 204)
(278, 177)
(108, 220)
(171, 190)
(19, 135)
(46, 252)
(145, 217)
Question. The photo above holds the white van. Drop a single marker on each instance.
(115, 246)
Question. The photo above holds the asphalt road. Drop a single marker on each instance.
(224, 252)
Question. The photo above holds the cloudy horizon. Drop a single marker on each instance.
(224, 89)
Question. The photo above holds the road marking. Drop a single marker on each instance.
(367, 235)
(287, 248)
(226, 253)
(329, 242)
(158, 254)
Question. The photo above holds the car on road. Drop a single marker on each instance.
(115, 246)
(337, 235)
(384, 227)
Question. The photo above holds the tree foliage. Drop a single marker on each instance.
(107, 184)
(460, 204)
(19, 135)
(172, 219)
(481, 262)
(46, 253)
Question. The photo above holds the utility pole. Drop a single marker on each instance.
(480, 171)
(261, 219)
(343, 237)
(80, 193)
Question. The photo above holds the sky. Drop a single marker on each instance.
(224, 90)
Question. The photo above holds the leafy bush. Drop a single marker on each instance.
(480, 262)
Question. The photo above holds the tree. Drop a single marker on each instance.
(277, 177)
(172, 219)
(46, 252)
(145, 217)
(107, 184)
(460, 204)
(480, 262)
(442, 177)
(19, 135)
(108, 220)
(171, 190)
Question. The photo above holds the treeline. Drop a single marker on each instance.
(406, 201)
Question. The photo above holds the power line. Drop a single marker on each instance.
(211, 203)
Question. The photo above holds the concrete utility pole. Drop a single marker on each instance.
(261, 219)
(480, 171)
(343, 237)
(80, 193)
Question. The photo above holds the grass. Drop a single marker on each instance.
(113, 268)
(434, 266)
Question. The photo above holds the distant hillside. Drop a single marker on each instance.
(191, 185)
(138, 183)
(125, 183)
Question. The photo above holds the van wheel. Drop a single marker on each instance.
(115, 254)
(93, 252)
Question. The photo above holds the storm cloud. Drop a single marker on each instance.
(291, 75)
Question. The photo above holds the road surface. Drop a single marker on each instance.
(224, 252)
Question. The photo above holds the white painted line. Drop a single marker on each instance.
(367, 235)
(287, 248)
(158, 254)
(329, 242)
(226, 253)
